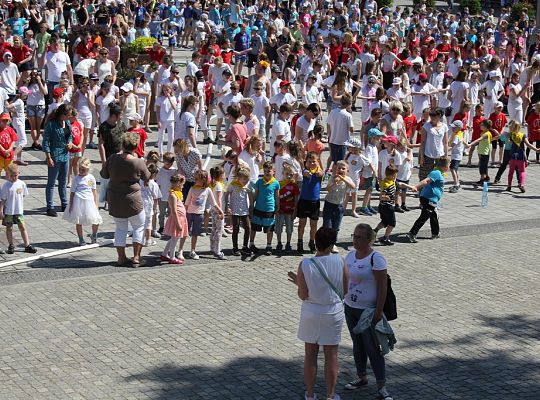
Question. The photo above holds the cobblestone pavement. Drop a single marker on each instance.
(74, 327)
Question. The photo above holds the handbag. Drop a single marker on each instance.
(390, 305)
(325, 277)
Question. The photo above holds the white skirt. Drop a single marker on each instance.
(322, 329)
(83, 212)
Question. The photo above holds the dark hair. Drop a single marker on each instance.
(285, 107)
(314, 108)
(216, 172)
(63, 109)
(168, 157)
(152, 168)
(234, 111)
(325, 238)
(114, 109)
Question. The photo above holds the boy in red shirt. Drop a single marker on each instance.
(476, 132)
(135, 126)
(499, 120)
(288, 198)
(409, 120)
(533, 124)
(8, 139)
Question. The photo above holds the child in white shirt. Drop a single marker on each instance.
(150, 195)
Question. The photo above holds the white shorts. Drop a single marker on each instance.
(86, 120)
(148, 214)
(323, 329)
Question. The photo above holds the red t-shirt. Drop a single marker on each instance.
(345, 51)
(419, 126)
(8, 136)
(431, 55)
(287, 194)
(533, 123)
(444, 48)
(410, 123)
(293, 122)
(499, 121)
(463, 117)
(77, 134)
(238, 131)
(227, 55)
(85, 49)
(19, 53)
(335, 52)
(476, 132)
(142, 139)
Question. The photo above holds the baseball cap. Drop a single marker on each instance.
(493, 74)
(140, 70)
(5, 116)
(499, 104)
(127, 87)
(23, 90)
(374, 132)
(254, 28)
(353, 142)
(57, 92)
(390, 139)
(457, 124)
(134, 117)
(284, 83)
(275, 68)
(396, 81)
(94, 77)
(423, 77)
(406, 63)
(7, 53)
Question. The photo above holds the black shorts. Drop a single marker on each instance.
(402, 189)
(308, 209)
(454, 165)
(388, 215)
(252, 60)
(496, 142)
(259, 228)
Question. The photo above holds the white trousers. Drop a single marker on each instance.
(169, 127)
(137, 226)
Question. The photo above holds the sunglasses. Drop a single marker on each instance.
(258, 88)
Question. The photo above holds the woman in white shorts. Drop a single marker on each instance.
(85, 103)
(322, 282)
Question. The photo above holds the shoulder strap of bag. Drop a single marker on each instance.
(325, 277)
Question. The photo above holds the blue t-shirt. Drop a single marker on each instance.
(434, 191)
(17, 25)
(311, 188)
(265, 200)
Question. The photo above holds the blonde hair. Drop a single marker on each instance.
(85, 163)
(181, 146)
(248, 103)
(130, 141)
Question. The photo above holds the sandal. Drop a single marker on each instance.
(123, 264)
(138, 264)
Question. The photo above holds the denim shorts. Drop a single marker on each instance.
(337, 152)
(35, 111)
(195, 223)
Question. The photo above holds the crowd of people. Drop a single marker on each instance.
(430, 86)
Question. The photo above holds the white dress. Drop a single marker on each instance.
(321, 317)
(83, 210)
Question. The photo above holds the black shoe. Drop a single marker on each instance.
(288, 247)
(300, 247)
(279, 247)
(311, 245)
(386, 241)
(236, 252)
(207, 141)
(268, 251)
(30, 249)
(160, 230)
(38, 147)
(63, 208)
(11, 249)
(246, 251)
(51, 213)
(398, 209)
(253, 249)
(405, 208)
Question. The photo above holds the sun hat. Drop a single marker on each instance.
(127, 87)
(457, 124)
(353, 142)
(134, 117)
(374, 132)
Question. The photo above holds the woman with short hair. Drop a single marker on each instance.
(124, 171)
(322, 282)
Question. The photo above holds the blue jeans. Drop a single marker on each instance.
(332, 215)
(364, 347)
(58, 172)
(337, 152)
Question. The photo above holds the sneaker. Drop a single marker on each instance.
(51, 213)
(386, 241)
(311, 246)
(253, 249)
(11, 249)
(175, 261)
(91, 145)
(220, 256)
(193, 255)
(412, 238)
(357, 383)
(160, 230)
(288, 247)
(164, 258)
(82, 242)
(383, 394)
(372, 210)
(335, 250)
(246, 251)
(150, 243)
(279, 247)
(365, 211)
(453, 189)
(236, 252)
(268, 251)
(156, 235)
(2, 251)
(437, 236)
(335, 397)
(398, 209)
(496, 181)
(93, 239)
(180, 255)
(206, 141)
(405, 208)
(522, 189)
(306, 397)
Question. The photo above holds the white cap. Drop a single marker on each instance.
(134, 117)
(493, 74)
(499, 104)
(457, 124)
(396, 81)
(127, 87)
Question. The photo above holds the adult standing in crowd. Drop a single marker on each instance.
(125, 171)
(188, 161)
(57, 140)
(56, 61)
(322, 281)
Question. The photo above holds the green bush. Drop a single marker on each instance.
(385, 3)
(430, 3)
(138, 46)
(518, 8)
(474, 6)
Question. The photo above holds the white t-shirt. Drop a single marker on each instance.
(356, 163)
(35, 97)
(280, 128)
(281, 98)
(306, 126)
(278, 165)
(384, 160)
(56, 64)
(259, 109)
(187, 120)
(10, 74)
(18, 111)
(12, 195)
(167, 109)
(163, 179)
(191, 69)
(404, 166)
(83, 67)
(149, 194)
(251, 161)
(340, 122)
(83, 186)
(458, 94)
(362, 291)
(457, 148)
(372, 156)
